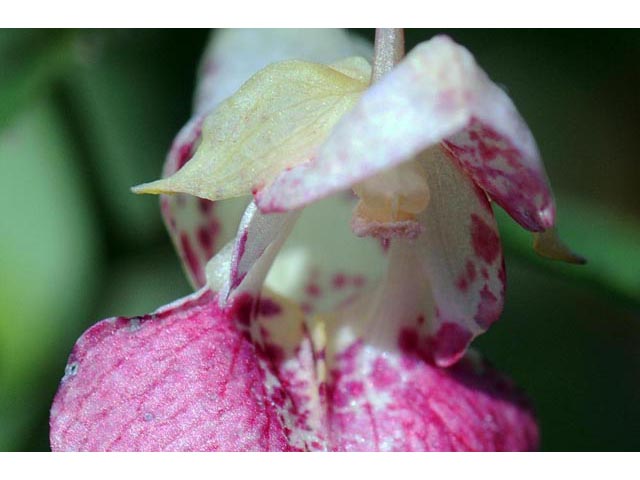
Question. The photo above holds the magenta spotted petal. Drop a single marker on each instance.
(183, 378)
(307, 336)
(193, 377)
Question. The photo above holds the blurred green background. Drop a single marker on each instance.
(84, 115)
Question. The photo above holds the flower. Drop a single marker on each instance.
(281, 349)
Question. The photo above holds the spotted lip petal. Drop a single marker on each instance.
(437, 93)
(461, 255)
(383, 402)
(199, 227)
(194, 377)
(445, 287)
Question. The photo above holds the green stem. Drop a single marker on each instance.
(389, 50)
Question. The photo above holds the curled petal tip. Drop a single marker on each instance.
(153, 188)
(549, 245)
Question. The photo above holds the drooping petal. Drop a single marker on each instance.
(199, 227)
(275, 121)
(437, 93)
(513, 179)
(188, 377)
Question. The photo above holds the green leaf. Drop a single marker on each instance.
(30, 61)
(128, 100)
(49, 263)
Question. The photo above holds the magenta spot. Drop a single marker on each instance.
(383, 375)
(420, 320)
(236, 276)
(450, 343)
(462, 284)
(467, 277)
(339, 281)
(354, 389)
(278, 396)
(408, 340)
(275, 353)
(471, 271)
(485, 240)
(349, 357)
(237, 279)
(243, 244)
(206, 240)
(359, 280)
(306, 308)
(184, 154)
(268, 308)
(190, 256)
(242, 309)
(489, 308)
(502, 273)
(205, 206)
(313, 290)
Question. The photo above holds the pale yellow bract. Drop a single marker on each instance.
(275, 121)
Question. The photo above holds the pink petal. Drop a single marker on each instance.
(437, 93)
(199, 227)
(193, 377)
(187, 377)
(385, 402)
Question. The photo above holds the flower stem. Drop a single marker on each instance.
(389, 50)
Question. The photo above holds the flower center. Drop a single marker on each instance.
(390, 201)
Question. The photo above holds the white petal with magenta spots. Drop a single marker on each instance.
(437, 93)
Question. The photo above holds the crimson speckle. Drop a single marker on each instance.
(489, 308)
(242, 309)
(484, 239)
(190, 257)
(205, 238)
(339, 281)
(313, 290)
(268, 308)
(184, 154)
(408, 340)
(449, 343)
(205, 206)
